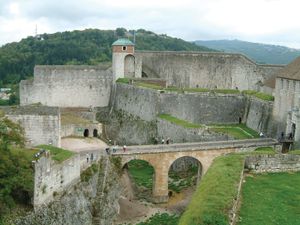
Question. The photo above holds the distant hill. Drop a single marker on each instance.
(90, 46)
(261, 53)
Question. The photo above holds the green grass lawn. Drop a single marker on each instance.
(263, 151)
(214, 196)
(57, 154)
(259, 95)
(179, 122)
(161, 219)
(237, 131)
(147, 85)
(123, 80)
(271, 199)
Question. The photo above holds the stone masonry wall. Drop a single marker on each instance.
(273, 163)
(144, 103)
(41, 124)
(195, 107)
(94, 200)
(78, 129)
(204, 108)
(50, 177)
(258, 116)
(68, 86)
(207, 70)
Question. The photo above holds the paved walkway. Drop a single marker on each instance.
(89, 149)
(83, 144)
(196, 146)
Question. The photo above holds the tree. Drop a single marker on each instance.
(121, 32)
(16, 172)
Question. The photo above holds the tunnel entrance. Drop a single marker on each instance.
(95, 133)
(86, 133)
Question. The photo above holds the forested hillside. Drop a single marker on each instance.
(90, 46)
(261, 53)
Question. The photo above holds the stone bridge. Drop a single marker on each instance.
(161, 157)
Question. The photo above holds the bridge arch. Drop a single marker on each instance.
(138, 173)
(183, 172)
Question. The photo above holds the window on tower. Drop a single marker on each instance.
(124, 48)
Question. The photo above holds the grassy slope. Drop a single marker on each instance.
(214, 197)
(179, 122)
(271, 199)
(238, 131)
(161, 219)
(57, 154)
(259, 95)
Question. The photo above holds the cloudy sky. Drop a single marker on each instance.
(266, 21)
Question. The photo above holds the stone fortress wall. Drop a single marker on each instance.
(68, 86)
(273, 163)
(51, 178)
(41, 123)
(93, 86)
(201, 108)
(203, 69)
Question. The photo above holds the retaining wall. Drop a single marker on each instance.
(273, 163)
(201, 108)
(51, 178)
(258, 116)
(41, 124)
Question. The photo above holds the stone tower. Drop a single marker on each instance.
(123, 59)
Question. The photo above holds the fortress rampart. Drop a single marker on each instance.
(201, 108)
(41, 123)
(203, 69)
(68, 86)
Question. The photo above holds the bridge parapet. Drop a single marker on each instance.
(200, 146)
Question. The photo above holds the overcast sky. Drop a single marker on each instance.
(266, 21)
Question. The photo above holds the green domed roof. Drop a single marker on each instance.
(122, 41)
